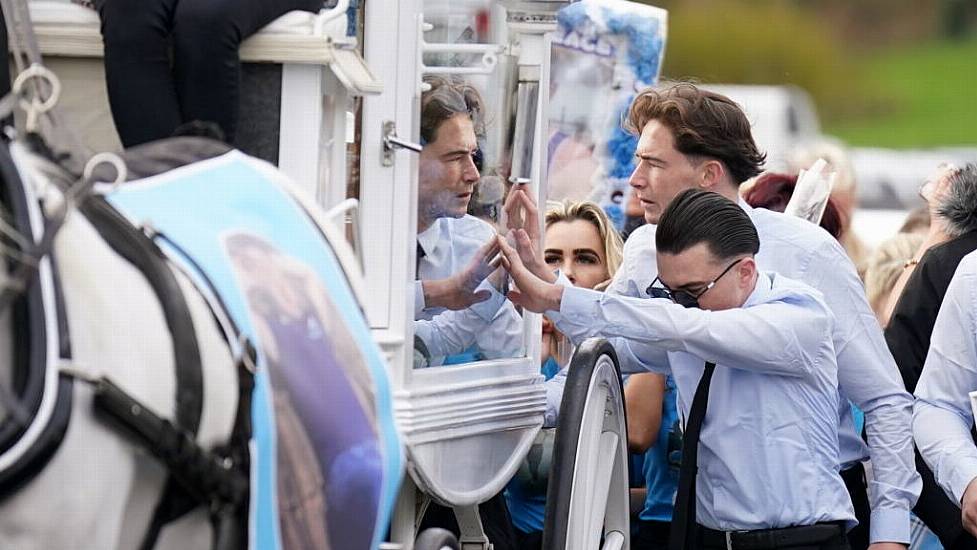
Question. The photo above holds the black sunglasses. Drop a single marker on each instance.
(683, 297)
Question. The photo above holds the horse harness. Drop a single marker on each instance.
(215, 478)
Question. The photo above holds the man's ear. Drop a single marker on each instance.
(711, 174)
(745, 271)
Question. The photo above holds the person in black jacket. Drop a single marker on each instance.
(170, 62)
(952, 236)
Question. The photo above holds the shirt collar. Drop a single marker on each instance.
(745, 206)
(761, 292)
(429, 238)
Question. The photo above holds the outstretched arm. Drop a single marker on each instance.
(781, 337)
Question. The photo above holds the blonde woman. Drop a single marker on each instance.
(582, 243)
(885, 266)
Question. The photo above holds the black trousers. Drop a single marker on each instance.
(939, 513)
(836, 542)
(854, 478)
(651, 535)
(840, 543)
(530, 541)
(168, 62)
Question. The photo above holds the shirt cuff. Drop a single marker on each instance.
(889, 525)
(960, 477)
(487, 309)
(418, 298)
(573, 304)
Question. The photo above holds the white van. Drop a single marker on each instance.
(782, 117)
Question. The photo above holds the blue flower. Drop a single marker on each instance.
(621, 146)
(573, 16)
(644, 40)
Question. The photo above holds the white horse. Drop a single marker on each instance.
(99, 489)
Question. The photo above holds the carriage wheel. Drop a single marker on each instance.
(587, 496)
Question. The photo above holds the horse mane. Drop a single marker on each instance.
(156, 157)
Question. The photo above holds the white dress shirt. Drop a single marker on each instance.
(493, 326)
(768, 451)
(943, 416)
(867, 374)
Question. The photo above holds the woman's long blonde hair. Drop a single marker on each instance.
(568, 211)
(884, 267)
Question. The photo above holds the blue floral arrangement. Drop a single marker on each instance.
(645, 42)
(636, 32)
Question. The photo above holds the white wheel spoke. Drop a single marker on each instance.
(602, 482)
(584, 478)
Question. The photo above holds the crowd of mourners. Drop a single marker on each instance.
(770, 364)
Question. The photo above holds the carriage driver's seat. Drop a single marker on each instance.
(289, 62)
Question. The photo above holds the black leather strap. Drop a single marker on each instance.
(30, 352)
(30, 344)
(143, 254)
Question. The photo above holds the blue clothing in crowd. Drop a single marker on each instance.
(662, 462)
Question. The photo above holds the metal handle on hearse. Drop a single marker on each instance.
(391, 142)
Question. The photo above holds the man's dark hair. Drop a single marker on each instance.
(704, 124)
(448, 97)
(959, 207)
(697, 216)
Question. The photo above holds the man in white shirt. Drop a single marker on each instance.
(459, 313)
(752, 356)
(943, 420)
(457, 309)
(693, 138)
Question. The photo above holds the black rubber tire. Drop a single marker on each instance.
(560, 486)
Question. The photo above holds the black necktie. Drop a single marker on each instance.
(683, 531)
(417, 261)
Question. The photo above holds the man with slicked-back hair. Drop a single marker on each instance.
(752, 356)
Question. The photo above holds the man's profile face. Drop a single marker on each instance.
(447, 172)
(662, 172)
(693, 269)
